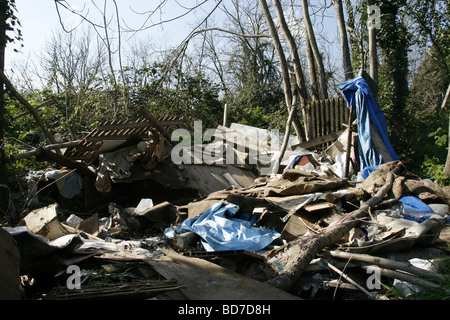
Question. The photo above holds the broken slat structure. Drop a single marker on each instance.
(326, 119)
(131, 290)
(112, 134)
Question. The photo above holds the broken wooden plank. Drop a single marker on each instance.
(319, 206)
(157, 124)
(204, 280)
(319, 141)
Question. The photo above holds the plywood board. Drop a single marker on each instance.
(204, 280)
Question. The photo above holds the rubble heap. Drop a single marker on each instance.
(120, 219)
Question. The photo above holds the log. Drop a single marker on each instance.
(183, 241)
(387, 263)
(406, 277)
(297, 254)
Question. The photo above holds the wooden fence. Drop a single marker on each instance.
(325, 120)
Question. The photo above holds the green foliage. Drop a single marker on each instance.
(393, 40)
(190, 95)
(441, 292)
(11, 23)
(256, 95)
(435, 157)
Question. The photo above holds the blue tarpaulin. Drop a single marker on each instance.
(358, 95)
(220, 230)
(415, 209)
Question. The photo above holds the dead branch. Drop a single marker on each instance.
(387, 263)
(297, 254)
(30, 108)
(350, 280)
(31, 153)
(44, 154)
(44, 104)
(406, 277)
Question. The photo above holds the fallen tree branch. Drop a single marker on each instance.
(83, 168)
(31, 153)
(406, 277)
(353, 282)
(30, 108)
(387, 263)
(297, 254)
(23, 114)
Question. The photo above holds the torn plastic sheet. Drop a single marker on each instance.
(415, 209)
(220, 231)
(69, 184)
(372, 128)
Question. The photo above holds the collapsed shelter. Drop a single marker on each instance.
(226, 229)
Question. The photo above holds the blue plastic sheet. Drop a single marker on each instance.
(357, 93)
(220, 230)
(415, 209)
(368, 170)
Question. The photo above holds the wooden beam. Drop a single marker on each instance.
(156, 123)
(318, 141)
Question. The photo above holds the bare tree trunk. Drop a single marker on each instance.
(345, 50)
(353, 38)
(119, 50)
(447, 162)
(284, 67)
(3, 17)
(298, 72)
(315, 49)
(312, 72)
(373, 62)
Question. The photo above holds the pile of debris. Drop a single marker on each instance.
(123, 220)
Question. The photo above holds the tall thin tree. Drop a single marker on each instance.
(345, 50)
(284, 69)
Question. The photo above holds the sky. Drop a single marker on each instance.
(40, 19)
